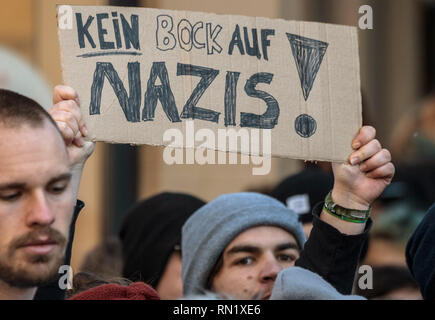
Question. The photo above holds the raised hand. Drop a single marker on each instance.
(358, 183)
(67, 115)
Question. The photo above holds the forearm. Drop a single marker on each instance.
(348, 228)
(340, 230)
(350, 201)
(333, 253)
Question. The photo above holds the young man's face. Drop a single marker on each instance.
(252, 261)
(36, 204)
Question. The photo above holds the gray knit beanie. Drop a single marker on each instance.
(211, 228)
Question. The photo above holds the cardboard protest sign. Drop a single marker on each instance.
(140, 72)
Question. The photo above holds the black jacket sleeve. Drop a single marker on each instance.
(332, 254)
(52, 290)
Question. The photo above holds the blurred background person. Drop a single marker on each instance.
(413, 140)
(391, 230)
(105, 260)
(18, 75)
(420, 255)
(151, 241)
(301, 192)
(90, 287)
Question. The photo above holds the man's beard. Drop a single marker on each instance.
(24, 270)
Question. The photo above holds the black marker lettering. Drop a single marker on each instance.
(236, 40)
(231, 98)
(165, 39)
(83, 31)
(131, 33)
(116, 29)
(190, 110)
(185, 36)
(269, 119)
(161, 92)
(196, 27)
(101, 32)
(265, 42)
(212, 45)
(254, 50)
(129, 104)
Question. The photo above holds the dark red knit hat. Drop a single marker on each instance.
(112, 291)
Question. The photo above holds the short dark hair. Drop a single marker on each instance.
(16, 109)
(105, 260)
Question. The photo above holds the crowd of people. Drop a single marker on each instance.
(305, 239)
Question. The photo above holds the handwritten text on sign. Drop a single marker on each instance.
(298, 79)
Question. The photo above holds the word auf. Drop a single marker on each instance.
(244, 44)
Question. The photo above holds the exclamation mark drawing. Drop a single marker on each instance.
(308, 54)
